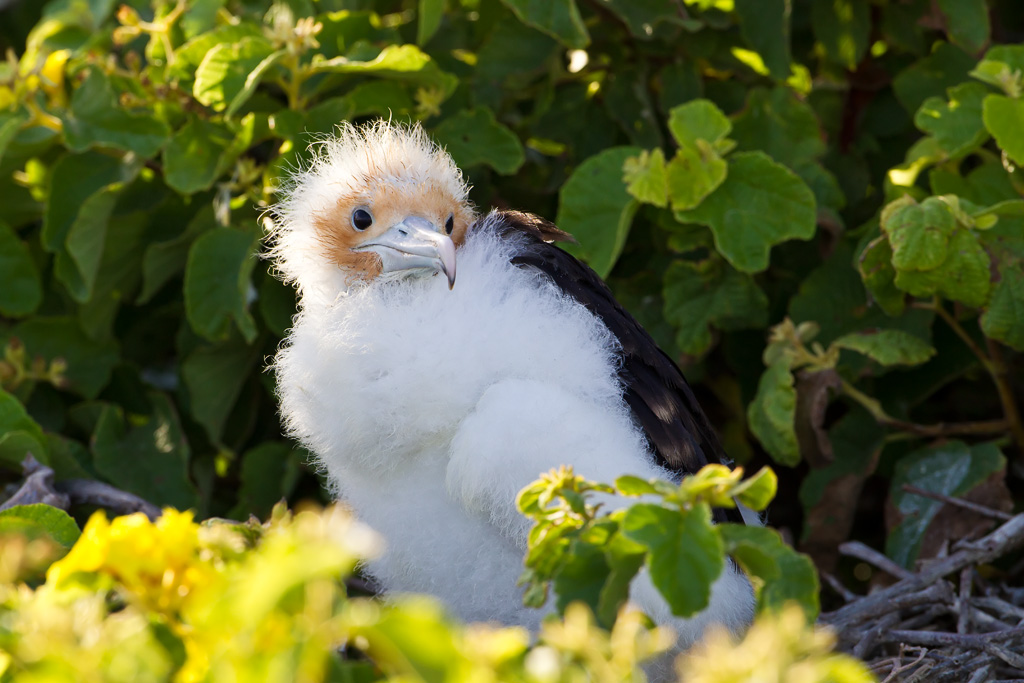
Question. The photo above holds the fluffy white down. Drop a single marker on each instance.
(429, 409)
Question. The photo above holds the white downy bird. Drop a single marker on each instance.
(430, 405)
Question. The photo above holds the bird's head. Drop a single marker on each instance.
(377, 202)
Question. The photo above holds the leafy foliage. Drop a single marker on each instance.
(592, 557)
(173, 600)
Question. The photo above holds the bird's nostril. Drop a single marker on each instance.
(403, 233)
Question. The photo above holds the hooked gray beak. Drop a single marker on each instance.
(414, 244)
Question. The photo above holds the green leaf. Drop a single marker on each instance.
(956, 123)
(919, 233)
(967, 22)
(888, 347)
(253, 80)
(1004, 319)
(14, 419)
(629, 485)
(90, 362)
(582, 576)
(678, 539)
(371, 97)
(74, 179)
(781, 125)
(513, 49)
(222, 75)
(22, 291)
(764, 25)
(201, 17)
(772, 412)
(10, 125)
(843, 27)
(164, 260)
(693, 174)
(189, 56)
(217, 283)
(79, 264)
(596, 209)
(932, 76)
(963, 276)
(402, 62)
(269, 471)
(760, 204)
(966, 275)
(788, 576)
(148, 458)
(953, 469)
(758, 491)
(16, 445)
(344, 31)
(646, 179)
(1004, 118)
(475, 137)
(875, 267)
(68, 458)
(753, 548)
(624, 559)
(192, 159)
(214, 377)
(709, 294)
(698, 120)
(627, 98)
(430, 14)
(643, 16)
(97, 119)
(277, 305)
(559, 19)
(1003, 67)
(39, 519)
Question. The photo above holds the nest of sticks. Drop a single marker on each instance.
(953, 620)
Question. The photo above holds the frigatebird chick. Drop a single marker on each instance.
(430, 403)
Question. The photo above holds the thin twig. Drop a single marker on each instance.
(958, 329)
(845, 593)
(964, 600)
(873, 557)
(981, 675)
(959, 502)
(89, 492)
(37, 487)
(1004, 539)
(964, 641)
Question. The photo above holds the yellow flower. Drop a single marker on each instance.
(157, 564)
(87, 555)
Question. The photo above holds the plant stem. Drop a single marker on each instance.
(1001, 376)
(994, 365)
(962, 333)
(941, 429)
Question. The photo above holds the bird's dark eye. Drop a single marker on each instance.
(361, 219)
(449, 224)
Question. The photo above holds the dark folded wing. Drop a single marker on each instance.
(662, 403)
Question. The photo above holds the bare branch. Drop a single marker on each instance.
(38, 487)
(958, 502)
(89, 492)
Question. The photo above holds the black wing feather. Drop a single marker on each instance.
(654, 388)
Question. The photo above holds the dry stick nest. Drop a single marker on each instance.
(944, 622)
